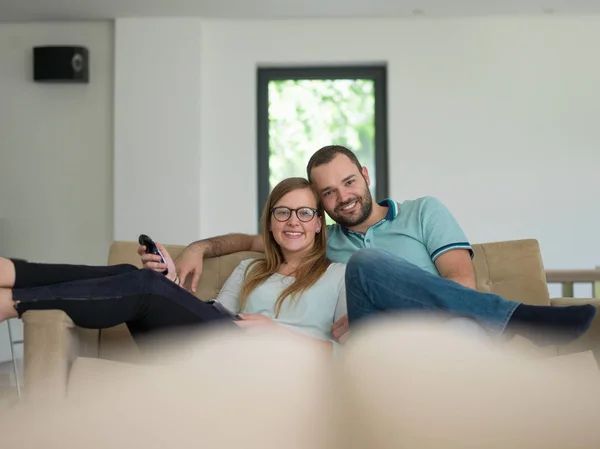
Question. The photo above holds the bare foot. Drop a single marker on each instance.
(7, 273)
(7, 305)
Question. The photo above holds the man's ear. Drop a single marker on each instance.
(365, 174)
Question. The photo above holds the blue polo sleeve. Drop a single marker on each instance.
(441, 231)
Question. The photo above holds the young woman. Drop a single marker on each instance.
(294, 289)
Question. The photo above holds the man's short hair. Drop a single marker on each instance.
(326, 155)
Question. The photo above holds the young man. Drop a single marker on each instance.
(410, 256)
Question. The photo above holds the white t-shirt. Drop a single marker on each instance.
(312, 313)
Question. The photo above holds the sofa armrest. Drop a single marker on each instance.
(591, 339)
(561, 302)
(51, 343)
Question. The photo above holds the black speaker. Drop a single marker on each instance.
(61, 64)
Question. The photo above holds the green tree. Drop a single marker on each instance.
(305, 115)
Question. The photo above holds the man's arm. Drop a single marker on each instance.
(456, 265)
(229, 244)
(446, 243)
(191, 260)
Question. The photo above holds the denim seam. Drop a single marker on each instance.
(508, 316)
(171, 285)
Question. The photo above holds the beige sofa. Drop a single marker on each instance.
(512, 269)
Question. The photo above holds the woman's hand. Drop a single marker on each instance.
(340, 330)
(257, 321)
(172, 274)
(262, 323)
(153, 261)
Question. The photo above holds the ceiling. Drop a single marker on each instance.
(25, 10)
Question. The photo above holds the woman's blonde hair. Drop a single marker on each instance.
(311, 268)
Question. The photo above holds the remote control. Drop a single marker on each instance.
(151, 248)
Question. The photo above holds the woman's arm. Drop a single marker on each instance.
(340, 328)
(229, 295)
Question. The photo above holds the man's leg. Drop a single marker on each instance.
(378, 281)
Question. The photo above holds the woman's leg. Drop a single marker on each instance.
(21, 274)
(143, 299)
(7, 305)
(7, 273)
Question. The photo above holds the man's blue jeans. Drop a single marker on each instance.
(378, 281)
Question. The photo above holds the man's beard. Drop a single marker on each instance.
(366, 207)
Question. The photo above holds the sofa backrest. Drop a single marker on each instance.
(511, 269)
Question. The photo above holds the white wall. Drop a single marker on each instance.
(497, 117)
(56, 147)
(55, 150)
(157, 129)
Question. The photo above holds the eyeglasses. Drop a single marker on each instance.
(304, 214)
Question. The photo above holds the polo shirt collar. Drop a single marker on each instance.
(392, 208)
(392, 213)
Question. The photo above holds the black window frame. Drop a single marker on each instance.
(377, 73)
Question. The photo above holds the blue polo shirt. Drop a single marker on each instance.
(417, 230)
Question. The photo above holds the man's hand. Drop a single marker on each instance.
(340, 330)
(192, 258)
(191, 262)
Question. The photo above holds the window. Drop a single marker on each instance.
(303, 109)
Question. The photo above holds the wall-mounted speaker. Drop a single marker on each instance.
(61, 64)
